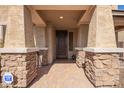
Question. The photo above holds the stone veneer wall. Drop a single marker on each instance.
(121, 75)
(102, 69)
(22, 66)
(0, 74)
(80, 58)
(43, 57)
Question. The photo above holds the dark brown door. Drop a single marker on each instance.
(61, 44)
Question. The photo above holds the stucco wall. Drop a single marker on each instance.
(18, 26)
(15, 26)
(82, 35)
(29, 40)
(3, 14)
(92, 31)
(39, 36)
(101, 34)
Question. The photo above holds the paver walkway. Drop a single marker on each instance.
(61, 74)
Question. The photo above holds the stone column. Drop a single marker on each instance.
(102, 62)
(50, 43)
(1, 36)
(81, 43)
(19, 55)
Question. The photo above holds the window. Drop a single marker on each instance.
(70, 41)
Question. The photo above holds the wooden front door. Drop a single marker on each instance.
(61, 44)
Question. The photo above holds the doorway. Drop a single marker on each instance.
(61, 44)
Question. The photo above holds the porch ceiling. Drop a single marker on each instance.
(70, 17)
(61, 7)
(119, 28)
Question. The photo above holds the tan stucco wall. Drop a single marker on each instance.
(92, 31)
(101, 28)
(29, 40)
(15, 26)
(82, 35)
(3, 21)
(39, 36)
(18, 26)
(4, 14)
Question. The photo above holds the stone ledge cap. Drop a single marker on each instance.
(79, 48)
(104, 50)
(44, 48)
(18, 50)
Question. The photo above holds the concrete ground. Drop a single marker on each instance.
(62, 74)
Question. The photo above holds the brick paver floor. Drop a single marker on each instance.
(62, 74)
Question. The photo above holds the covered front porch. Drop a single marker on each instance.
(36, 36)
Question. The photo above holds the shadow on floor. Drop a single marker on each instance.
(41, 71)
(45, 69)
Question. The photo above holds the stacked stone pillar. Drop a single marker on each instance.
(18, 56)
(102, 61)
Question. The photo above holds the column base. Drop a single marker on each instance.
(80, 58)
(121, 73)
(21, 65)
(102, 69)
(43, 57)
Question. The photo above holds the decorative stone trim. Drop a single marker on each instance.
(104, 50)
(102, 69)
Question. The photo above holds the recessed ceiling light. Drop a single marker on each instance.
(61, 17)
